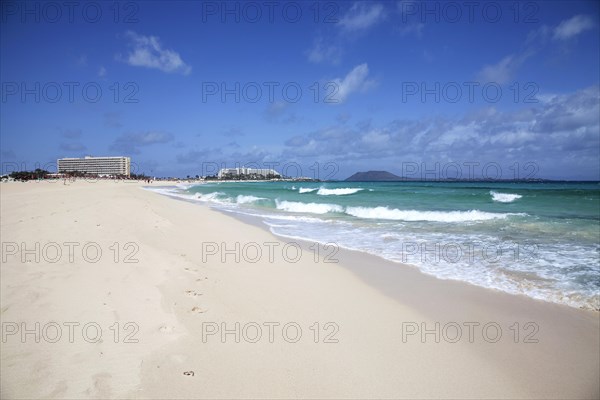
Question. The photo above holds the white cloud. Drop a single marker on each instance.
(500, 72)
(102, 72)
(504, 70)
(356, 80)
(281, 112)
(321, 52)
(147, 51)
(561, 135)
(361, 16)
(376, 139)
(539, 35)
(573, 26)
(545, 98)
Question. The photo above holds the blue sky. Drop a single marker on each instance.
(321, 89)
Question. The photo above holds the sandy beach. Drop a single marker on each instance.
(112, 291)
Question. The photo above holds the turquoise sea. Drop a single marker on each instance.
(537, 239)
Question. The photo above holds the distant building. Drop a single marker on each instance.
(251, 173)
(96, 165)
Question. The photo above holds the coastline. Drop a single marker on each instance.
(173, 296)
(499, 244)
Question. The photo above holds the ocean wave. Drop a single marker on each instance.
(243, 199)
(338, 192)
(213, 196)
(185, 186)
(504, 197)
(306, 190)
(312, 208)
(414, 215)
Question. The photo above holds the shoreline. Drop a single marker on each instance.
(258, 222)
(391, 277)
(175, 292)
(351, 255)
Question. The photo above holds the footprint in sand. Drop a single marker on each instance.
(192, 293)
(198, 310)
(166, 329)
(101, 387)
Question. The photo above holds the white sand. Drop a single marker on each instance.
(171, 295)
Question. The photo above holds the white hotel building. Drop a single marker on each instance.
(95, 165)
(233, 172)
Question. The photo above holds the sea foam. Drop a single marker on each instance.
(244, 199)
(312, 208)
(414, 215)
(504, 197)
(338, 192)
(214, 196)
(306, 190)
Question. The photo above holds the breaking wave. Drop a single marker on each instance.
(306, 190)
(338, 192)
(312, 208)
(504, 197)
(414, 215)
